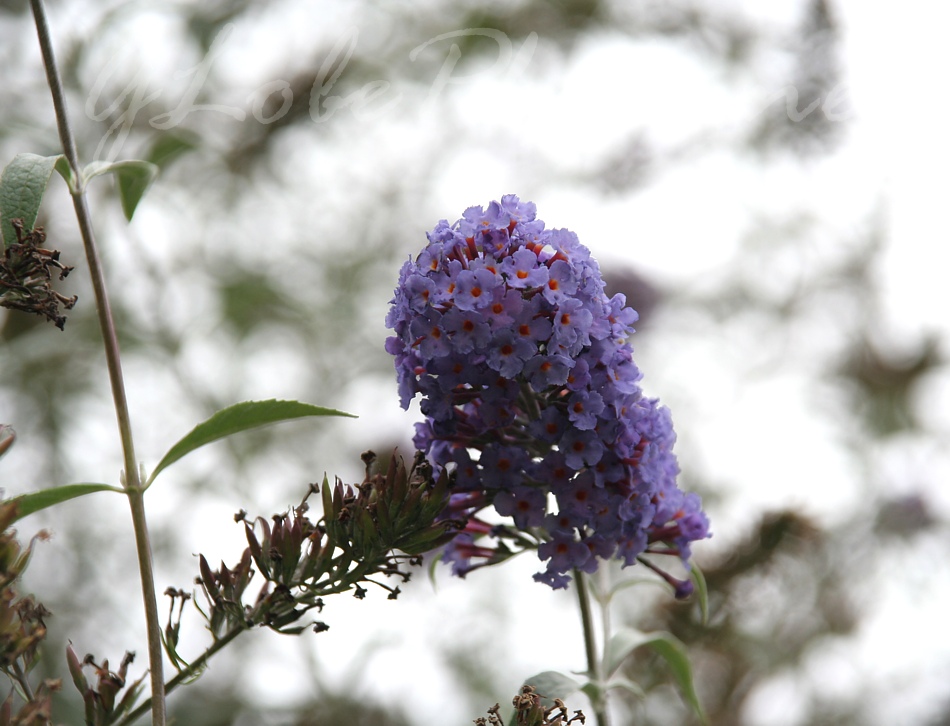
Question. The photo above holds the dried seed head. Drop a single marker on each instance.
(25, 276)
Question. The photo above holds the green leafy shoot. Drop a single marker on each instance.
(28, 504)
(665, 645)
(240, 417)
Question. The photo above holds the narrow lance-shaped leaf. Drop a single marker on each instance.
(22, 185)
(384, 522)
(35, 501)
(240, 417)
(132, 693)
(327, 496)
(702, 593)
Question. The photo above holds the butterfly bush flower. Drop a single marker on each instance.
(532, 398)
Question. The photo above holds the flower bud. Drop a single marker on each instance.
(7, 437)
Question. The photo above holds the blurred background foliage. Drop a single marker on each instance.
(305, 147)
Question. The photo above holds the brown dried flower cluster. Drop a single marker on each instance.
(530, 711)
(22, 630)
(26, 277)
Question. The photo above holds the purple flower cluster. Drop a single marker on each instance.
(531, 396)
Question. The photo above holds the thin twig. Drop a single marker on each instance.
(185, 674)
(132, 483)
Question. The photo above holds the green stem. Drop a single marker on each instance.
(132, 482)
(343, 582)
(602, 594)
(184, 675)
(24, 682)
(599, 702)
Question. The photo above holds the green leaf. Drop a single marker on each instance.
(433, 564)
(28, 504)
(22, 185)
(170, 642)
(699, 582)
(169, 146)
(667, 646)
(237, 418)
(132, 177)
(550, 685)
